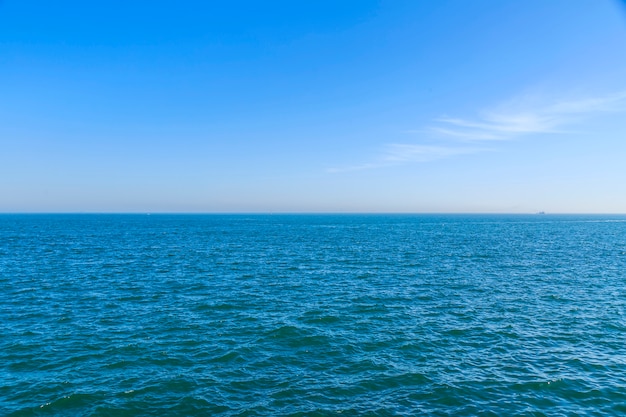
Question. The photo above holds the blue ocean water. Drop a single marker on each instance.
(312, 315)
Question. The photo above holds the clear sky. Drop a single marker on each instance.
(313, 106)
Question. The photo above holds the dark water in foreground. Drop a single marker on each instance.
(122, 315)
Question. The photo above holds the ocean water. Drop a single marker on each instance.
(312, 315)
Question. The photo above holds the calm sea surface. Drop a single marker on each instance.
(312, 315)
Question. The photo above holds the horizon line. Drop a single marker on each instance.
(264, 213)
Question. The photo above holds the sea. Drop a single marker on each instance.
(312, 315)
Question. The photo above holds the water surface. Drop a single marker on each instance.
(312, 315)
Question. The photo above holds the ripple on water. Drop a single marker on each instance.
(312, 315)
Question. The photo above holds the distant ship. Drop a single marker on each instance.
(542, 212)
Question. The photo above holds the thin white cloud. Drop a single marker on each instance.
(464, 135)
(402, 152)
(610, 103)
(523, 116)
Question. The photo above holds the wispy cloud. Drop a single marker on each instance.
(403, 152)
(524, 115)
(400, 153)
(521, 116)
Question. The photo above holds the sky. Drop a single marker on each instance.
(482, 106)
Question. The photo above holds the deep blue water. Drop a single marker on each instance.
(312, 315)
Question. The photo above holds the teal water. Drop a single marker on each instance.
(307, 315)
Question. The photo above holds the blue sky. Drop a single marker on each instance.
(321, 106)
